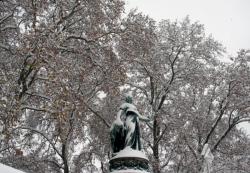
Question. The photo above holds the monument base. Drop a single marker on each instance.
(129, 161)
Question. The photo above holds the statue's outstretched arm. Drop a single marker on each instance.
(143, 118)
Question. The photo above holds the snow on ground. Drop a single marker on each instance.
(7, 169)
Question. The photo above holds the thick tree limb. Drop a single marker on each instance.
(168, 159)
(190, 148)
(98, 115)
(152, 90)
(221, 138)
(166, 90)
(3, 19)
(36, 109)
(222, 107)
(161, 135)
(8, 27)
(38, 95)
(43, 135)
(230, 127)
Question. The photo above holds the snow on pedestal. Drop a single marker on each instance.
(129, 171)
(7, 169)
(129, 152)
(129, 161)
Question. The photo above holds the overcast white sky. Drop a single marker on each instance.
(227, 20)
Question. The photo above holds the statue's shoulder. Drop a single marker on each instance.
(127, 106)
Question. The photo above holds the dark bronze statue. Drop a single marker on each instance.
(125, 130)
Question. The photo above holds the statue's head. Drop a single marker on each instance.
(128, 98)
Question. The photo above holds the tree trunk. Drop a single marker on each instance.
(65, 161)
(156, 132)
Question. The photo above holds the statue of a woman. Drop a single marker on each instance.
(131, 125)
(126, 142)
(125, 130)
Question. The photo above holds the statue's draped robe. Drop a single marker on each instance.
(117, 134)
(132, 131)
(125, 130)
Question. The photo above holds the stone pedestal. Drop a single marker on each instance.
(129, 161)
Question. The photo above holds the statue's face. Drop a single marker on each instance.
(129, 99)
